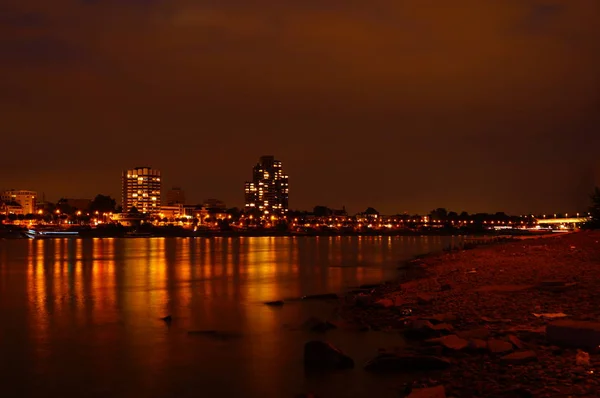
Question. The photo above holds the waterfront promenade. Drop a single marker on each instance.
(491, 310)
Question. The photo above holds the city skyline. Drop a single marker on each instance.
(403, 106)
(156, 194)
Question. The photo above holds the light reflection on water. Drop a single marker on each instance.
(81, 317)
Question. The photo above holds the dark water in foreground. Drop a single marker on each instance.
(81, 317)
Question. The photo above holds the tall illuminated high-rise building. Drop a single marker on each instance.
(141, 189)
(268, 190)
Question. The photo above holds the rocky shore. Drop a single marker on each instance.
(512, 320)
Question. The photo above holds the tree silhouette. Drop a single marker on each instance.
(594, 209)
(103, 204)
(234, 212)
(322, 211)
(439, 213)
(371, 211)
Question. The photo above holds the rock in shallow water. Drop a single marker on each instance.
(322, 355)
(276, 303)
(317, 325)
(405, 362)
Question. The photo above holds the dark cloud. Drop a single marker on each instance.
(400, 105)
(37, 51)
(16, 19)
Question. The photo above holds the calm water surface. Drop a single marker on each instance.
(82, 317)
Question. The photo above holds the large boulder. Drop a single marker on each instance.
(390, 362)
(578, 334)
(322, 355)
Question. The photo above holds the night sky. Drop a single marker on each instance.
(476, 105)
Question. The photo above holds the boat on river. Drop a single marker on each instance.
(50, 233)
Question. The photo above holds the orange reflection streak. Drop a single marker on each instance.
(59, 287)
(144, 276)
(230, 259)
(183, 273)
(217, 266)
(103, 281)
(206, 259)
(262, 266)
(36, 291)
(157, 267)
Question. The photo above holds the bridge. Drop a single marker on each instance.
(563, 220)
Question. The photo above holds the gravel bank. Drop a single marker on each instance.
(494, 303)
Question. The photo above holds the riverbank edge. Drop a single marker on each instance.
(526, 340)
(16, 232)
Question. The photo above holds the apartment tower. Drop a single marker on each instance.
(141, 189)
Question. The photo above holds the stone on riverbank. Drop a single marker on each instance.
(421, 329)
(322, 355)
(520, 357)
(451, 342)
(425, 298)
(556, 286)
(477, 345)
(390, 362)
(516, 342)
(480, 333)
(389, 302)
(496, 346)
(578, 334)
(439, 318)
(430, 392)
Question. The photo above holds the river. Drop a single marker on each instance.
(81, 317)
